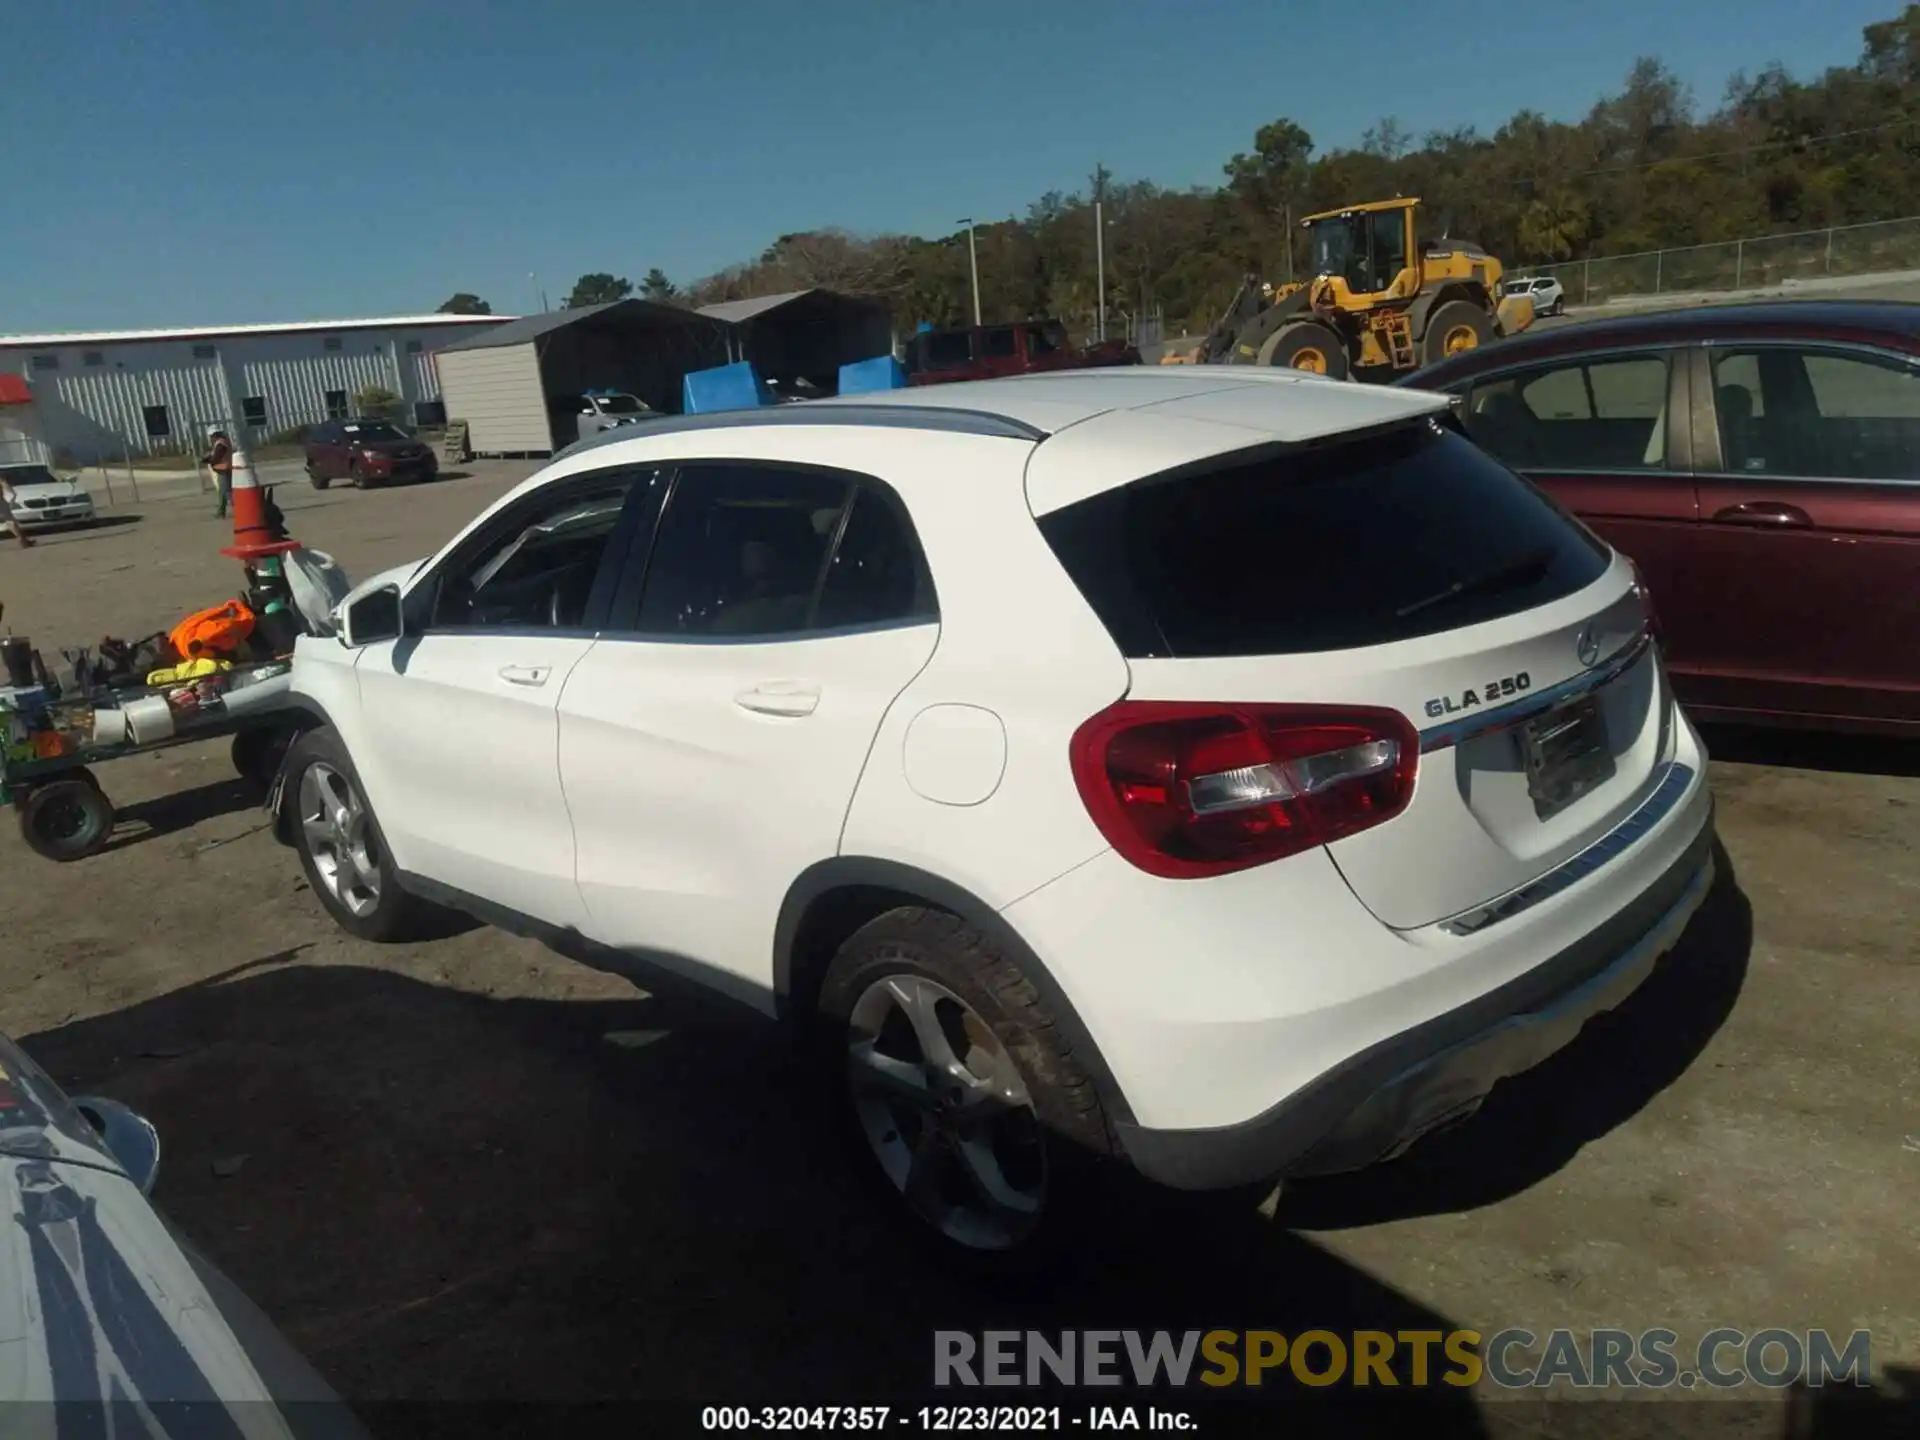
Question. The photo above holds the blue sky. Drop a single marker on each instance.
(195, 162)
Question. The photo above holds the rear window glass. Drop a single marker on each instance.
(1358, 543)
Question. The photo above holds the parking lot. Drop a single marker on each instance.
(469, 1169)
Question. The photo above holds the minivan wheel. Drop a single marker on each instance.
(320, 482)
(960, 1098)
(341, 848)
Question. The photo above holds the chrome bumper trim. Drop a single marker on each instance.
(1628, 833)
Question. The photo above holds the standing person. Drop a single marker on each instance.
(220, 461)
(7, 516)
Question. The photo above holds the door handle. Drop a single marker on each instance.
(525, 674)
(1764, 513)
(780, 698)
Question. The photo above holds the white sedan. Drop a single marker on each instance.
(40, 498)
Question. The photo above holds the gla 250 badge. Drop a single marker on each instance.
(1491, 693)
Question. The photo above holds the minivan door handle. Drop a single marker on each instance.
(776, 697)
(1766, 513)
(525, 674)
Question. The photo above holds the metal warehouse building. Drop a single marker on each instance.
(90, 398)
(517, 386)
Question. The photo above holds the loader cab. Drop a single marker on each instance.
(1369, 246)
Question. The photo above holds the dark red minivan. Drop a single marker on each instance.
(1761, 465)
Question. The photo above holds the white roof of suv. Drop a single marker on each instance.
(1101, 428)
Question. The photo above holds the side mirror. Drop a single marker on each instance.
(371, 618)
(130, 1138)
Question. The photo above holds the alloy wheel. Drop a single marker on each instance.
(338, 835)
(946, 1112)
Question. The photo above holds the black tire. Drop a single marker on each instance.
(257, 752)
(66, 819)
(384, 913)
(1064, 1139)
(1309, 346)
(359, 476)
(1449, 324)
(319, 481)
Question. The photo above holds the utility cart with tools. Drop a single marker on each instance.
(223, 671)
(53, 741)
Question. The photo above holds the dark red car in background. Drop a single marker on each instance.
(367, 452)
(1760, 463)
(985, 352)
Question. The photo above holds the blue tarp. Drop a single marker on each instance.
(725, 387)
(882, 372)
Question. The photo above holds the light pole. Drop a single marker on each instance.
(1100, 261)
(533, 282)
(973, 264)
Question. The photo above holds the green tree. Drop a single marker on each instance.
(597, 288)
(375, 400)
(655, 286)
(1644, 168)
(464, 302)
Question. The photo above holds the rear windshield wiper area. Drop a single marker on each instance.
(1523, 570)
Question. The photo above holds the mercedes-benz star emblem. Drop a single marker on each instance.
(1587, 646)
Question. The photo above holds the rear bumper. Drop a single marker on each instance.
(1265, 1022)
(1375, 1105)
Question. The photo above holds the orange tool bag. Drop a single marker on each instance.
(217, 630)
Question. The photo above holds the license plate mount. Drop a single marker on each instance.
(1566, 754)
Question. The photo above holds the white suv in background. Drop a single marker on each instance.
(1236, 772)
(1547, 294)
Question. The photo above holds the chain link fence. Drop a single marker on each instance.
(1766, 260)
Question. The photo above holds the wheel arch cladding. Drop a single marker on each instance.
(305, 715)
(830, 900)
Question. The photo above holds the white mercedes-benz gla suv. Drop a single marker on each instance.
(1234, 772)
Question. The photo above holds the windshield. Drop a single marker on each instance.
(1332, 245)
(375, 430)
(27, 475)
(621, 405)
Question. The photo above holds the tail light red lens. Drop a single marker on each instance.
(1184, 790)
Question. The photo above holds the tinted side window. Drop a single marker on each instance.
(741, 551)
(1386, 539)
(997, 344)
(1603, 414)
(949, 351)
(535, 568)
(877, 575)
(1842, 415)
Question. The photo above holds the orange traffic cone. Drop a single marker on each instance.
(253, 537)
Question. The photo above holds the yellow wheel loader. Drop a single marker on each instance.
(1380, 303)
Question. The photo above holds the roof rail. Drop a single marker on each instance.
(949, 419)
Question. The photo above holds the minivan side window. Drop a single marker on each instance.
(949, 350)
(1843, 415)
(755, 551)
(998, 343)
(1600, 414)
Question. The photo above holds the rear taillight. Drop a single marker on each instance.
(1184, 790)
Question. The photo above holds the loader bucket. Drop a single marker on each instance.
(1515, 314)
